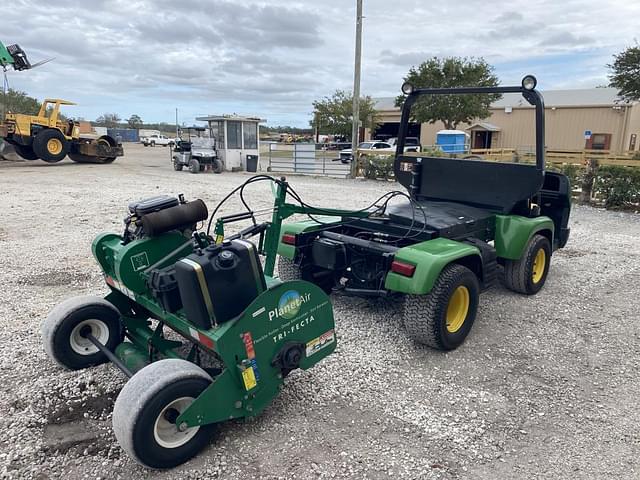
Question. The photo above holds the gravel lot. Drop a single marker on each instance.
(544, 387)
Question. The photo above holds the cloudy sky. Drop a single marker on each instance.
(273, 58)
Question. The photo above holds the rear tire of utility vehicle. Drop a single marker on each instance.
(528, 274)
(194, 166)
(443, 318)
(217, 166)
(64, 328)
(287, 270)
(50, 145)
(26, 152)
(145, 412)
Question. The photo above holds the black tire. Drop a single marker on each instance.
(287, 270)
(26, 152)
(140, 407)
(177, 166)
(194, 166)
(427, 319)
(61, 331)
(217, 166)
(526, 275)
(50, 145)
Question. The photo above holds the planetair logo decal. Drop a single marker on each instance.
(289, 305)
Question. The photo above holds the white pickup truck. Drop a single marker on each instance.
(155, 139)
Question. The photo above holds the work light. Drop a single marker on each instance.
(529, 82)
(407, 88)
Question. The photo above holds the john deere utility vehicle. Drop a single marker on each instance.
(459, 224)
(47, 137)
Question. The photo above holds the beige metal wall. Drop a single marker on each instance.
(565, 127)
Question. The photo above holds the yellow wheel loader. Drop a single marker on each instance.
(48, 137)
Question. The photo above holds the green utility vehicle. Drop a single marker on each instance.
(459, 224)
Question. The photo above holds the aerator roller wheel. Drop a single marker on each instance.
(443, 318)
(528, 274)
(145, 412)
(64, 331)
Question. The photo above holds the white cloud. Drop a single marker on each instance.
(274, 58)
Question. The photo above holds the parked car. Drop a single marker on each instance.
(411, 144)
(346, 155)
(155, 139)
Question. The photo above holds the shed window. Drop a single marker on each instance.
(250, 131)
(234, 135)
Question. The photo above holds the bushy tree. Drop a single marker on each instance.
(109, 120)
(333, 115)
(19, 102)
(451, 110)
(625, 73)
(134, 121)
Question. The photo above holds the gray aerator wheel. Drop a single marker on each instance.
(62, 331)
(145, 411)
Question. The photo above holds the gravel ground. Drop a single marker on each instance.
(544, 387)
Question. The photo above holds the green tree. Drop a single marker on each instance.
(134, 121)
(625, 73)
(333, 115)
(110, 120)
(451, 110)
(19, 102)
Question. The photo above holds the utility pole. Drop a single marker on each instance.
(355, 130)
(177, 135)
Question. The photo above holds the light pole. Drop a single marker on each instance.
(356, 91)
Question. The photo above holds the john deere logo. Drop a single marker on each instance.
(289, 305)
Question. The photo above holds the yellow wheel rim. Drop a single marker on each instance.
(539, 264)
(54, 146)
(457, 309)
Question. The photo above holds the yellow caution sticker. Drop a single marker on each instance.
(219, 239)
(249, 378)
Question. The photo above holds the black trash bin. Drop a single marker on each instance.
(252, 163)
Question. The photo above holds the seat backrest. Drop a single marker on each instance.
(491, 185)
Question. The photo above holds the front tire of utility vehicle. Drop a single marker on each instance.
(528, 274)
(194, 166)
(443, 318)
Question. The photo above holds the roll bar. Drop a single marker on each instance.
(531, 95)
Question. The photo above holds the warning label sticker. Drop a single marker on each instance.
(249, 378)
(317, 344)
(139, 261)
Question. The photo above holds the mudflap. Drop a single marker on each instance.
(288, 326)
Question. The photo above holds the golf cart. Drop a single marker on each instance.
(460, 223)
(198, 152)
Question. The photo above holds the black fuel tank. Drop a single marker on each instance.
(217, 283)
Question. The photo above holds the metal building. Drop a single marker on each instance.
(592, 118)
